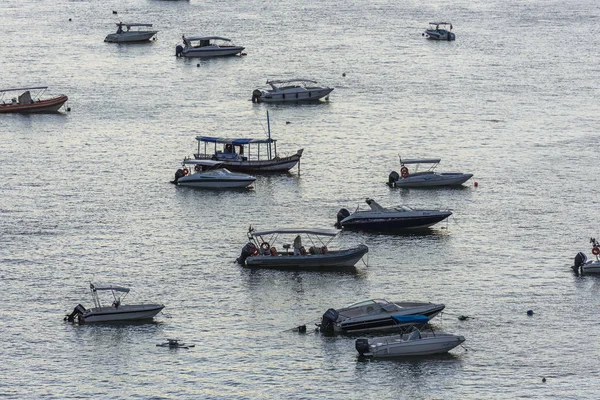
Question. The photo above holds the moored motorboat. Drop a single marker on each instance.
(377, 315)
(116, 312)
(209, 174)
(584, 266)
(125, 34)
(415, 343)
(437, 31)
(397, 219)
(206, 46)
(24, 103)
(260, 251)
(427, 178)
(291, 90)
(245, 155)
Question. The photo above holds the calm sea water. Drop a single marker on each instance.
(85, 196)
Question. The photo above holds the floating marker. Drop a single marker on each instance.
(344, 74)
(476, 184)
(529, 312)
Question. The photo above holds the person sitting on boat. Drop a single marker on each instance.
(119, 30)
(228, 149)
(297, 245)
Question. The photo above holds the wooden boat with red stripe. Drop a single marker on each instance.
(25, 103)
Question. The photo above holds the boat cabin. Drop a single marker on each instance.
(235, 149)
(316, 241)
(128, 26)
(197, 42)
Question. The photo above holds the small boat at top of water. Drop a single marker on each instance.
(25, 103)
(291, 90)
(209, 174)
(124, 33)
(588, 267)
(206, 46)
(116, 312)
(427, 178)
(439, 31)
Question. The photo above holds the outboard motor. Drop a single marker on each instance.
(78, 310)
(580, 259)
(343, 213)
(178, 50)
(393, 178)
(362, 346)
(328, 321)
(178, 174)
(256, 96)
(247, 251)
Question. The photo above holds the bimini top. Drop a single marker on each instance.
(207, 38)
(319, 232)
(132, 24)
(27, 88)
(206, 163)
(279, 82)
(422, 161)
(113, 288)
(211, 139)
(440, 23)
(411, 319)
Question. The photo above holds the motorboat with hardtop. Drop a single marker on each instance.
(260, 251)
(210, 174)
(439, 31)
(25, 103)
(397, 219)
(245, 155)
(588, 267)
(377, 315)
(206, 46)
(410, 344)
(116, 312)
(291, 90)
(427, 178)
(125, 34)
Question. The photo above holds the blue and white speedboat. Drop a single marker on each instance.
(397, 219)
(207, 46)
(208, 174)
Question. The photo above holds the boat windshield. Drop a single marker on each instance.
(380, 302)
(404, 209)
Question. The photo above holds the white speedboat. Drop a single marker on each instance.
(206, 46)
(588, 267)
(116, 312)
(397, 219)
(291, 90)
(208, 174)
(415, 343)
(125, 34)
(377, 315)
(427, 178)
(439, 31)
(25, 103)
(260, 251)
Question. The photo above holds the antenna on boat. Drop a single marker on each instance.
(269, 132)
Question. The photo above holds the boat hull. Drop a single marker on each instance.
(591, 267)
(121, 314)
(212, 51)
(402, 346)
(394, 224)
(333, 259)
(433, 180)
(42, 106)
(208, 183)
(385, 323)
(278, 164)
(294, 97)
(130, 37)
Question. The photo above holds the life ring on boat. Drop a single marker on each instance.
(186, 171)
(273, 251)
(404, 172)
(265, 246)
(596, 250)
(197, 168)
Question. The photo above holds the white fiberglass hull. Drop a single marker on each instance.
(591, 267)
(401, 346)
(216, 179)
(433, 180)
(129, 37)
(212, 51)
(293, 96)
(121, 313)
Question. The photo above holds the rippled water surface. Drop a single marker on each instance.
(85, 196)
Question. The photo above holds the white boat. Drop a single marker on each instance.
(260, 251)
(206, 46)
(25, 103)
(397, 219)
(244, 154)
(116, 312)
(377, 315)
(209, 174)
(291, 90)
(439, 31)
(427, 178)
(415, 343)
(588, 267)
(125, 34)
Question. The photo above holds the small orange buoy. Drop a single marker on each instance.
(476, 184)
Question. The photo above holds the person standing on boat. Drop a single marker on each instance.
(297, 245)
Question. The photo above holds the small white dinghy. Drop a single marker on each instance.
(175, 344)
